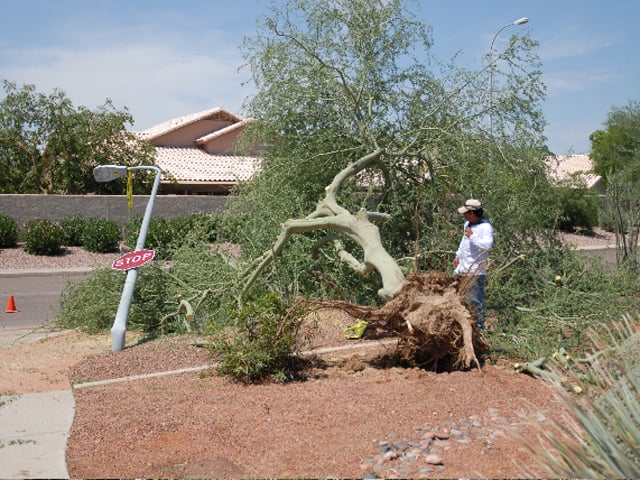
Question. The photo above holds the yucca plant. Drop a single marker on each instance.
(602, 437)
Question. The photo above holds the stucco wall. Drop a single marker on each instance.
(23, 208)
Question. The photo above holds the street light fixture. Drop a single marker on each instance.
(108, 173)
(520, 21)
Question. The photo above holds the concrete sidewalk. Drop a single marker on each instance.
(34, 433)
(34, 427)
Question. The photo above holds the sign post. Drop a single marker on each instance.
(107, 173)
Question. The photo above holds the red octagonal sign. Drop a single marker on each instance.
(133, 259)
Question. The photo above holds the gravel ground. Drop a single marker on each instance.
(70, 257)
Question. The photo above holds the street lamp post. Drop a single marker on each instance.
(107, 173)
(520, 21)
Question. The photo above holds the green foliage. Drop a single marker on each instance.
(47, 145)
(604, 439)
(42, 237)
(616, 155)
(163, 234)
(199, 275)
(534, 314)
(262, 344)
(208, 226)
(8, 232)
(91, 304)
(617, 147)
(329, 93)
(579, 209)
(622, 204)
(73, 226)
(150, 299)
(100, 235)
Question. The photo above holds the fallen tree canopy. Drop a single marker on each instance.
(428, 311)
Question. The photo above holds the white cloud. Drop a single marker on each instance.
(561, 82)
(155, 82)
(572, 41)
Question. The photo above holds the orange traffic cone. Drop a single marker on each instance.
(11, 305)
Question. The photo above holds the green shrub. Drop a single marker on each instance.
(163, 234)
(207, 224)
(263, 344)
(73, 226)
(42, 237)
(100, 235)
(579, 209)
(8, 232)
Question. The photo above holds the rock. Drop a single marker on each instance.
(402, 446)
(384, 446)
(390, 455)
(433, 459)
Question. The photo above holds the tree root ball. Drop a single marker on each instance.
(436, 328)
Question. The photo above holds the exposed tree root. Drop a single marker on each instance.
(436, 329)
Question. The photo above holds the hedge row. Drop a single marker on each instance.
(102, 235)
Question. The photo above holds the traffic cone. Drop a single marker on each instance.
(11, 305)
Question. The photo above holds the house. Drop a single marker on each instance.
(198, 153)
(579, 168)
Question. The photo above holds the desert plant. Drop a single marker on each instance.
(602, 438)
(100, 235)
(42, 237)
(8, 232)
(73, 225)
(263, 343)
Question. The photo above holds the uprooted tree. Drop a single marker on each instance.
(346, 104)
(426, 311)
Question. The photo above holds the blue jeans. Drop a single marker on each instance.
(477, 299)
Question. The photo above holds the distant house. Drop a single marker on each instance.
(564, 168)
(198, 153)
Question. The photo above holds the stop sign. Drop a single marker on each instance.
(133, 259)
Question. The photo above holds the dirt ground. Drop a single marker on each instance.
(158, 409)
(348, 419)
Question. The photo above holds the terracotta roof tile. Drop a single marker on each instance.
(196, 165)
(564, 167)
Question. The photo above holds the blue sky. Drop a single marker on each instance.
(164, 58)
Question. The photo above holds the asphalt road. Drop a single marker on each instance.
(36, 296)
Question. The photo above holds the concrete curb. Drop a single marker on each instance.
(45, 272)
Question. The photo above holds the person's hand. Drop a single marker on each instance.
(456, 261)
(468, 232)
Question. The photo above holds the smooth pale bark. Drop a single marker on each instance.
(330, 216)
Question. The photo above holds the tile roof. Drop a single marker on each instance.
(223, 131)
(565, 167)
(195, 165)
(179, 122)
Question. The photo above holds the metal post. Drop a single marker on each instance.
(118, 331)
(520, 21)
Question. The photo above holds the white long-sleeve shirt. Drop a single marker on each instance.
(473, 251)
